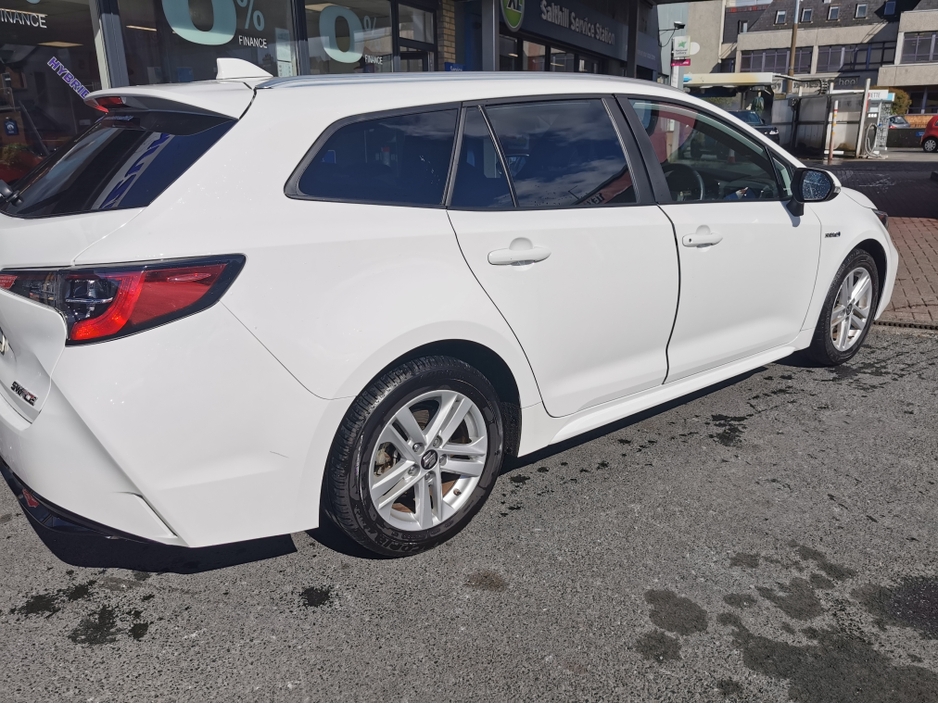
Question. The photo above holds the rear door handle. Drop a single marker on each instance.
(701, 240)
(501, 257)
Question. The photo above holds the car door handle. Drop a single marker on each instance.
(529, 255)
(701, 240)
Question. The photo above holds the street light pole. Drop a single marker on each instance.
(794, 41)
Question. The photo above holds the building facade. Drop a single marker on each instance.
(53, 52)
(890, 42)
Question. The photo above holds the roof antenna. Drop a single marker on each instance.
(238, 68)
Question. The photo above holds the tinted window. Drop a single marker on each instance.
(480, 179)
(704, 159)
(748, 116)
(400, 160)
(123, 161)
(562, 154)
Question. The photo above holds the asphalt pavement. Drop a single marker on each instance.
(770, 539)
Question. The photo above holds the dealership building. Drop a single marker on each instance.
(53, 52)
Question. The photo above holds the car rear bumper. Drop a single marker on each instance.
(190, 434)
(54, 517)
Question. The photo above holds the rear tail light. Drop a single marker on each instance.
(107, 302)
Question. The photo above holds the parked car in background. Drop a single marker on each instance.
(751, 117)
(898, 122)
(231, 304)
(930, 138)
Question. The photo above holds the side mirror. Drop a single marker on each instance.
(811, 186)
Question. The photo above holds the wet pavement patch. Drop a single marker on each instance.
(49, 603)
(740, 601)
(742, 559)
(732, 429)
(674, 613)
(78, 591)
(97, 628)
(913, 603)
(316, 596)
(6, 518)
(797, 599)
(837, 667)
(820, 559)
(39, 604)
(518, 479)
(658, 646)
(729, 688)
(487, 581)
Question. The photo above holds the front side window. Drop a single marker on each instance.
(396, 160)
(562, 154)
(704, 159)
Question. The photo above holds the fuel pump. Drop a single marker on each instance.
(876, 121)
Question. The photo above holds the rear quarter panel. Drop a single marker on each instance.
(335, 291)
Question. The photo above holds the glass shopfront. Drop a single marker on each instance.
(519, 54)
(47, 65)
(49, 57)
(370, 36)
(177, 41)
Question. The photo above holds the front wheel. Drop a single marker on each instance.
(416, 456)
(848, 311)
(930, 145)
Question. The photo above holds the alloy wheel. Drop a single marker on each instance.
(428, 460)
(852, 308)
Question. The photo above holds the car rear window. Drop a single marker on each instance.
(124, 161)
(394, 160)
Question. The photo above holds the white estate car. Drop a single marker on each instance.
(232, 303)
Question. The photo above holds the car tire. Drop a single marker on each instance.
(848, 311)
(416, 456)
(930, 145)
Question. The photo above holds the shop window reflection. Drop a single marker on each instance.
(47, 64)
(352, 38)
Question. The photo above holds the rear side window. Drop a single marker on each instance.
(480, 179)
(562, 154)
(396, 160)
(124, 161)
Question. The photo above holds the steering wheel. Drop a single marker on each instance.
(755, 187)
(682, 179)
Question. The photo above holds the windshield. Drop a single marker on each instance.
(124, 161)
(748, 116)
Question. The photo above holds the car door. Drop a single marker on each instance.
(748, 266)
(571, 249)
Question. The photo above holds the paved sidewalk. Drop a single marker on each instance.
(915, 298)
(902, 186)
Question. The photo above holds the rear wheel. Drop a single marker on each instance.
(930, 144)
(848, 311)
(416, 456)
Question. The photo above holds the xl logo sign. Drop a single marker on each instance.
(513, 13)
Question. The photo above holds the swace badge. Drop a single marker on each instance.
(23, 393)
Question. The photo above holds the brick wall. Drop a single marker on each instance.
(446, 34)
